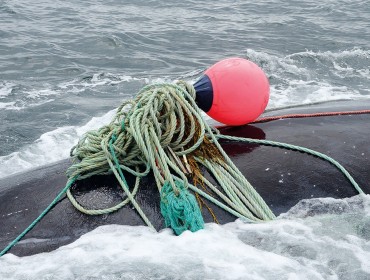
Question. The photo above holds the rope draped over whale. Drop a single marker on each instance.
(177, 143)
(162, 130)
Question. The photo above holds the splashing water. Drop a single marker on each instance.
(64, 68)
(317, 239)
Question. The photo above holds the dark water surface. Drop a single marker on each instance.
(65, 66)
(64, 62)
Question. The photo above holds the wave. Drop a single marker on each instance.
(50, 147)
(6, 89)
(320, 239)
(23, 96)
(294, 80)
(299, 77)
(307, 77)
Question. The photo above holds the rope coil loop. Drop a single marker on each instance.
(163, 128)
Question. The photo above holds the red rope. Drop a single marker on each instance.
(325, 114)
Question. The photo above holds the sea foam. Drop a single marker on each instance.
(293, 79)
(331, 242)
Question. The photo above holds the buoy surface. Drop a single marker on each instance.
(234, 91)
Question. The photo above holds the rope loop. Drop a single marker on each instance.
(162, 130)
(180, 211)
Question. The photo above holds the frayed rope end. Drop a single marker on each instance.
(181, 212)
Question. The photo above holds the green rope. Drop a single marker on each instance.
(181, 212)
(47, 209)
(152, 132)
(144, 128)
(297, 148)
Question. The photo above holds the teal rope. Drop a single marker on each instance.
(139, 136)
(296, 148)
(123, 182)
(217, 202)
(181, 212)
(47, 209)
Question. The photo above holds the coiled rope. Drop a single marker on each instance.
(162, 130)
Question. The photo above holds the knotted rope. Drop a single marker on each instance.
(162, 130)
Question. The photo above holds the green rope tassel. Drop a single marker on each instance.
(181, 212)
(165, 118)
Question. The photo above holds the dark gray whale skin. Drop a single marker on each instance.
(282, 177)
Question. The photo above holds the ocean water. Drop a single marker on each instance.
(66, 65)
(298, 245)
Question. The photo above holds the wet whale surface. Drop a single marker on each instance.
(282, 177)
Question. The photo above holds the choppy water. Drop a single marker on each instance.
(65, 66)
(317, 239)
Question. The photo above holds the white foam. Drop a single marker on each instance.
(137, 253)
(295, 81)
(364, 73)
(6, 89)
(97, 79)
(40, 93)
(341, 62)
(8, 106)
(30, 97)
(292, 83)
(25, 98)
(324, 245)
(355, 52)
(309, 93)
(50, 147)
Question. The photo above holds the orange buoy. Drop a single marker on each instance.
(234, 91)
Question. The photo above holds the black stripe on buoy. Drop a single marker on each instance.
(204, 90)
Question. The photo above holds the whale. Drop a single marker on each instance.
(281, 176)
